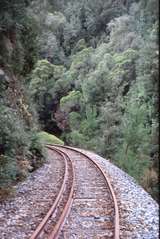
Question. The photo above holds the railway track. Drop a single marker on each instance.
(53, 221)
(86, 205)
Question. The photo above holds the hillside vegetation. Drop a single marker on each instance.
(85, 71)
(46, 138)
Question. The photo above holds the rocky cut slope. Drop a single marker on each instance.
(19, 148)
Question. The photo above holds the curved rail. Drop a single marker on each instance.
(55, 232)
(116, 220)
(65, 212)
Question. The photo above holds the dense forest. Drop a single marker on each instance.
(85, 71)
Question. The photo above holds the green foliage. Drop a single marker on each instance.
(126, 57)
(89, 125)
(8, 170)
(16, 147)
(18, 46)
(133, 153)
(46, 138)
(74, 120)
(46, 84)
(79, 46)
(76, 138)
(12, 130)
(42, 72)
(18, 53)
(12, 14)
(117, 81)
(71, 101)
(29, 36)
(44, 77)
(133, 165)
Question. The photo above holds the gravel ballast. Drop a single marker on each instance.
(20, 215)
(139, 212)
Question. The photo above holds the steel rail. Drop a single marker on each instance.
(56, 230)
(43, 223)
(116, 219)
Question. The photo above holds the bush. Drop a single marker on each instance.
(20, 151)
(8, 170)
(46, 138)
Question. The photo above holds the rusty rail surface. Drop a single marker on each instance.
(116, 218)
(55, 232)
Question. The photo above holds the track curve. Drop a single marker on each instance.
(61, 205)
(115, 230)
